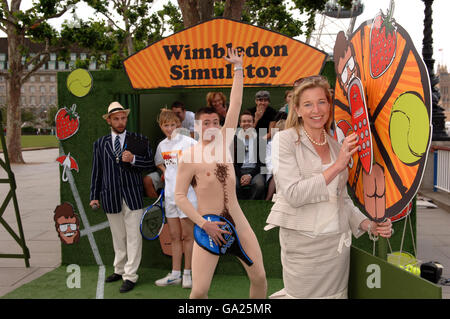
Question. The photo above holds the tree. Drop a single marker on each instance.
(196, 11)
(134, 16)
(128, 27)
(21, 26)
(272, 14)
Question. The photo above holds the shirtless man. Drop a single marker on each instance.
(211, 177)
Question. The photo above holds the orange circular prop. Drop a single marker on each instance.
(397, 94)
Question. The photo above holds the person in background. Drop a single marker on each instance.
(187, 118)
(181, 228)
(312, 208)
(284, 110)
(263, 113)
(250, 183)
(279, 126)
(218, 101)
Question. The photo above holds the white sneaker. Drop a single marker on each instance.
(168, 280)
(187, 281)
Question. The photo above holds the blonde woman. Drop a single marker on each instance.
(312, 208)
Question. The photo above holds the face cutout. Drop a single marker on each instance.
(67, 224)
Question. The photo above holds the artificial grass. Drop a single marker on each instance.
(53, 285)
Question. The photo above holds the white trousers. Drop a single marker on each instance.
(127, 242)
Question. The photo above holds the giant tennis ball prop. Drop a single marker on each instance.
(409, 128)
(79, 82)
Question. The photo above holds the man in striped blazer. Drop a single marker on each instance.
(117, 183)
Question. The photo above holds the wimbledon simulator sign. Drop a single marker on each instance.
(194, 58)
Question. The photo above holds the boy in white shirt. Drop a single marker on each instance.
(181, 228)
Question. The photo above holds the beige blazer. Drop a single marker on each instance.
(301, 187)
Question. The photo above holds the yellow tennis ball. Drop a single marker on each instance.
(409, 128)
(79, 82)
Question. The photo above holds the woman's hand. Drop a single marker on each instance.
(234, 57)
(383, 229)
(215, 232)
(347, 150)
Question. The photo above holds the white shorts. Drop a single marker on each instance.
(172, 210)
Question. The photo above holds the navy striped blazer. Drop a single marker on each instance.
(111, 181)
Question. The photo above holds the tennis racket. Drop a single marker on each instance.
(233, 245)
(153, 219)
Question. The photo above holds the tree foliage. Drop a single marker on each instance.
(21, 25)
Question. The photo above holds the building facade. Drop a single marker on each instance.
(444, 88)
(39, 93)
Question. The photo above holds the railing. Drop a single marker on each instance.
(441, 168)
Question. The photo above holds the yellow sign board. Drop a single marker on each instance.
(194, 58)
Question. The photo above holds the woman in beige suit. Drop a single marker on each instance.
(312, 208)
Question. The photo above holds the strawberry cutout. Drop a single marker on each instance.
(383, 42)
(67, 122)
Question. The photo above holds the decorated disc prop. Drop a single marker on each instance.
(79, 82)
(381, 57)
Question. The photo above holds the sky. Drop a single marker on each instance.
(408, 13)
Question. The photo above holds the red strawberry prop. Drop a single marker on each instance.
(383, 42)
(67, 122)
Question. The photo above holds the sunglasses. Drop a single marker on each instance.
(311, 78)
(63, 227)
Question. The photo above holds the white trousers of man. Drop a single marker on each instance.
(127, 242)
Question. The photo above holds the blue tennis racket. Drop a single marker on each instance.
(232, 246)
(153, 219)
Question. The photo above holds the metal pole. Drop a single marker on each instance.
(438, 117)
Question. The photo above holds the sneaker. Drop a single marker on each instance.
(187, 281)
(168, 280)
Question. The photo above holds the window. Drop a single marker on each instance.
(53, 99)
(32, 100)
(42, 100)
(53, 89)
(52, 78)
(61, 65)
(32, 78)
(42, 78)
(73, 58)
(32, 89)
(52, 65)
(92, 64)
(42, 89)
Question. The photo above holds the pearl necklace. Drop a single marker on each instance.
(317, 143)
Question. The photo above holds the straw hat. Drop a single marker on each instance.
(115, 107)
